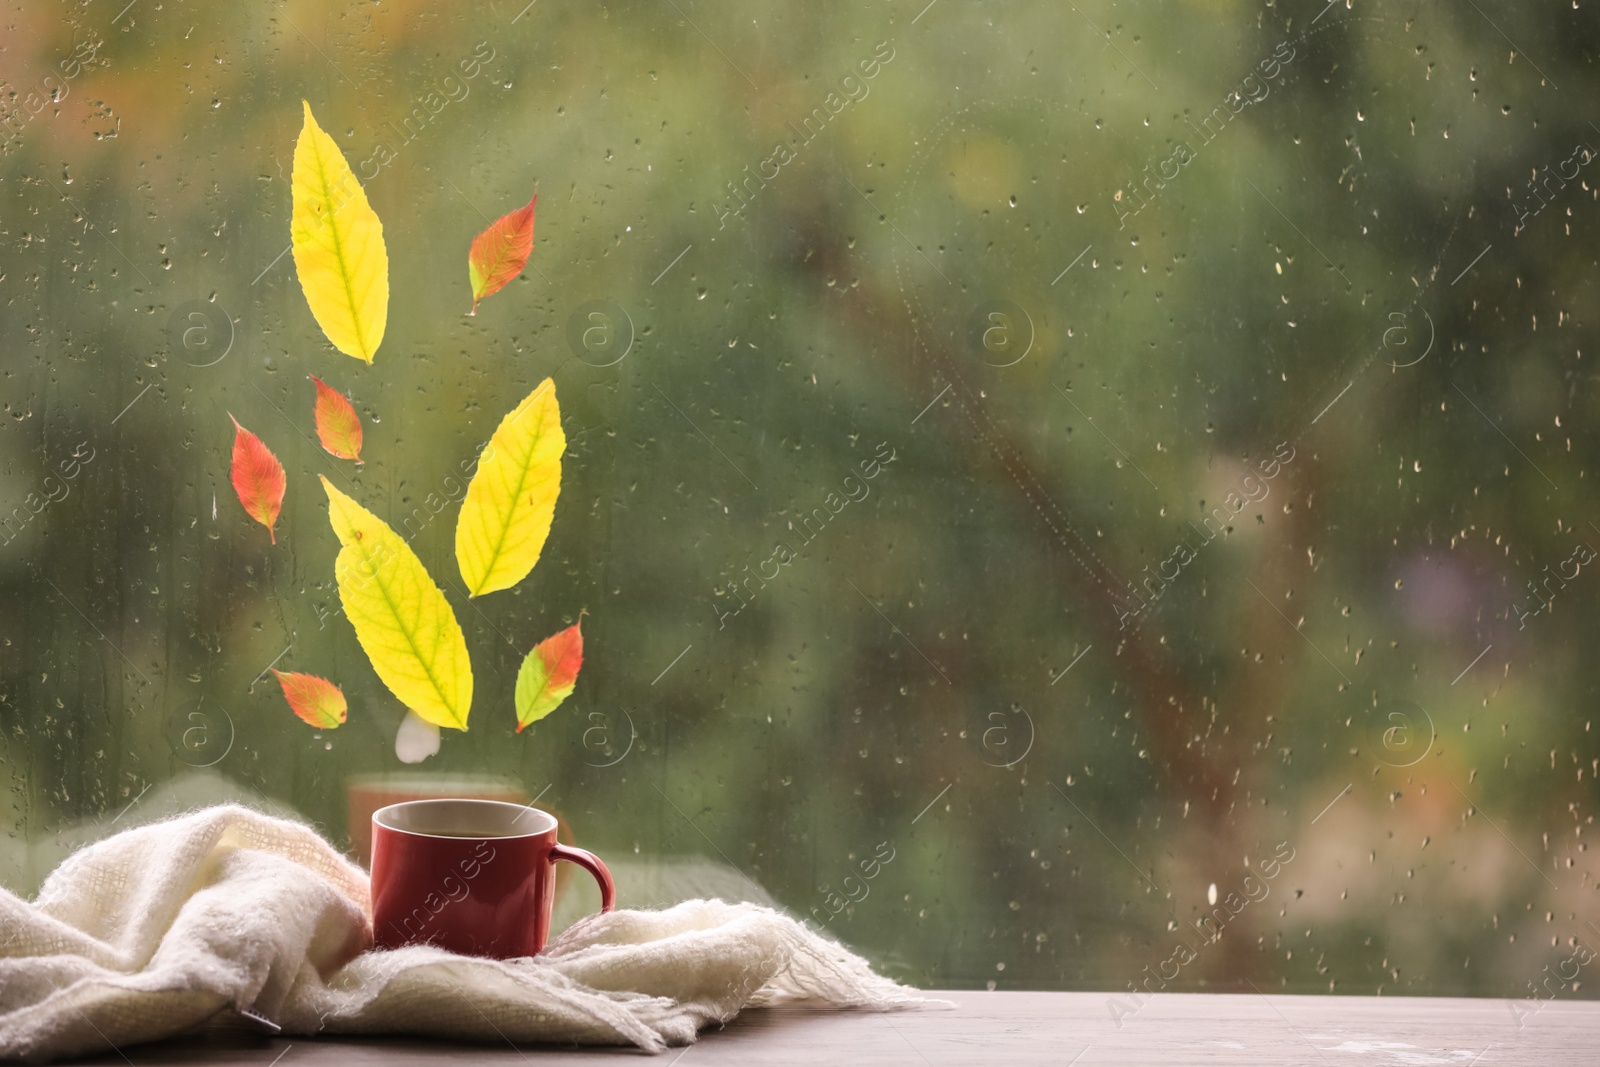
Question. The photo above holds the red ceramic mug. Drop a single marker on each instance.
(474, 877)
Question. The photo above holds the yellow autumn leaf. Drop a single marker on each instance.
(512, 497)
(338, 246)
(402, 620)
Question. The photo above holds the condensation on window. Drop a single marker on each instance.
(1059, 497)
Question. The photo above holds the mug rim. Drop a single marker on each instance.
(379, 822)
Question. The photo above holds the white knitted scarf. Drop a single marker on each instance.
(157, 929)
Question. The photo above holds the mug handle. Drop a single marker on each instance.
(591, 863)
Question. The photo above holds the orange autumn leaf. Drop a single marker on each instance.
(316, 700)
(257, 478)
(338, 425)
(499, 253)
(548, 675)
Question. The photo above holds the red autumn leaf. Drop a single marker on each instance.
(257, 478)
(548, 675)
(316, 700)
(338, 425)
(499, 253)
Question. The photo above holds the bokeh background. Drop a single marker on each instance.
(1346, 732)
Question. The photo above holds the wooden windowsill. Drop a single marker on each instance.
(1055, 1029)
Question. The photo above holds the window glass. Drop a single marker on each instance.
(1057, 496)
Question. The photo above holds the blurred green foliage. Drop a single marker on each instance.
(799, 261)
